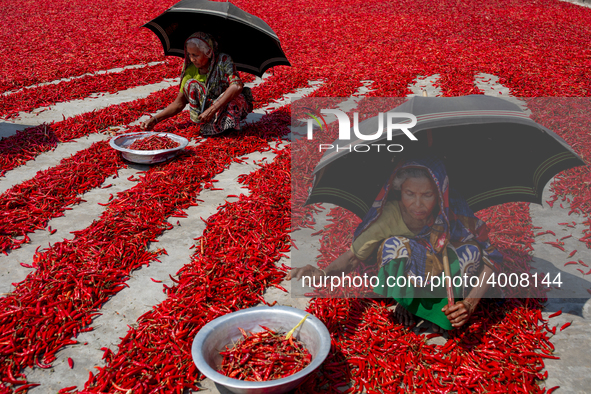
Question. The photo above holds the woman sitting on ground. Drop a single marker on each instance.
(211, 86)
(413, 219)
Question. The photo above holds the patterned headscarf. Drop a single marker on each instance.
(455, 220)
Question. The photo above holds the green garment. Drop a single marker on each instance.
(389, 224)
(193, 73)
(423, 303)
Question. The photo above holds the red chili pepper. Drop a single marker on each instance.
(556, 245)
(557, 313)
(565, 325)
(26, 387)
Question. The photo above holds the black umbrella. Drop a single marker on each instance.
(493, 152)
(251, 43)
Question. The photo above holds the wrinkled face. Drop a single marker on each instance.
(419, 197)
(197, 57)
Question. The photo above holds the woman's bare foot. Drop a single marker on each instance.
(403, 316)
(438, 329)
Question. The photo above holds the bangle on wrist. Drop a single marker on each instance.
(323, 271)
(469, 303)
(156, 119)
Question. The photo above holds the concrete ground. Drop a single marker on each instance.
(572, 372)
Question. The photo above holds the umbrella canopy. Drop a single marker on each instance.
(251, 43)
(493, 152)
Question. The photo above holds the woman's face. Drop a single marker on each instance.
(197, 57)
(418, 197)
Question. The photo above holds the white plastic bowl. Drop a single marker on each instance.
(223, 331)
(121, 142)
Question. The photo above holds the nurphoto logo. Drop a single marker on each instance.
(394, 121)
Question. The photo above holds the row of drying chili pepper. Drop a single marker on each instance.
(30, 98)
(28, 206)
(20, 205)
(25, 145)
(233, 264)
(74, 277)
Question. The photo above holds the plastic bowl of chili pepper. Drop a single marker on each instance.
(225, 331)
(148, 147)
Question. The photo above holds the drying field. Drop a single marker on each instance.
(108, 269)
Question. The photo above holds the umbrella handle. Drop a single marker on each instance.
(447, 271)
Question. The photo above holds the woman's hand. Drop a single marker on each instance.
(208, 114)
(343, 264)
(171, 110)
(308, 270)
(459, 313)
(149, 124)
(230, 94)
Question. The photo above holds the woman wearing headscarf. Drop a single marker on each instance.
(211, 86)
(414, 219)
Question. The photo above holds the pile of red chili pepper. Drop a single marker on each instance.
(264, 356)
(153, 142)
